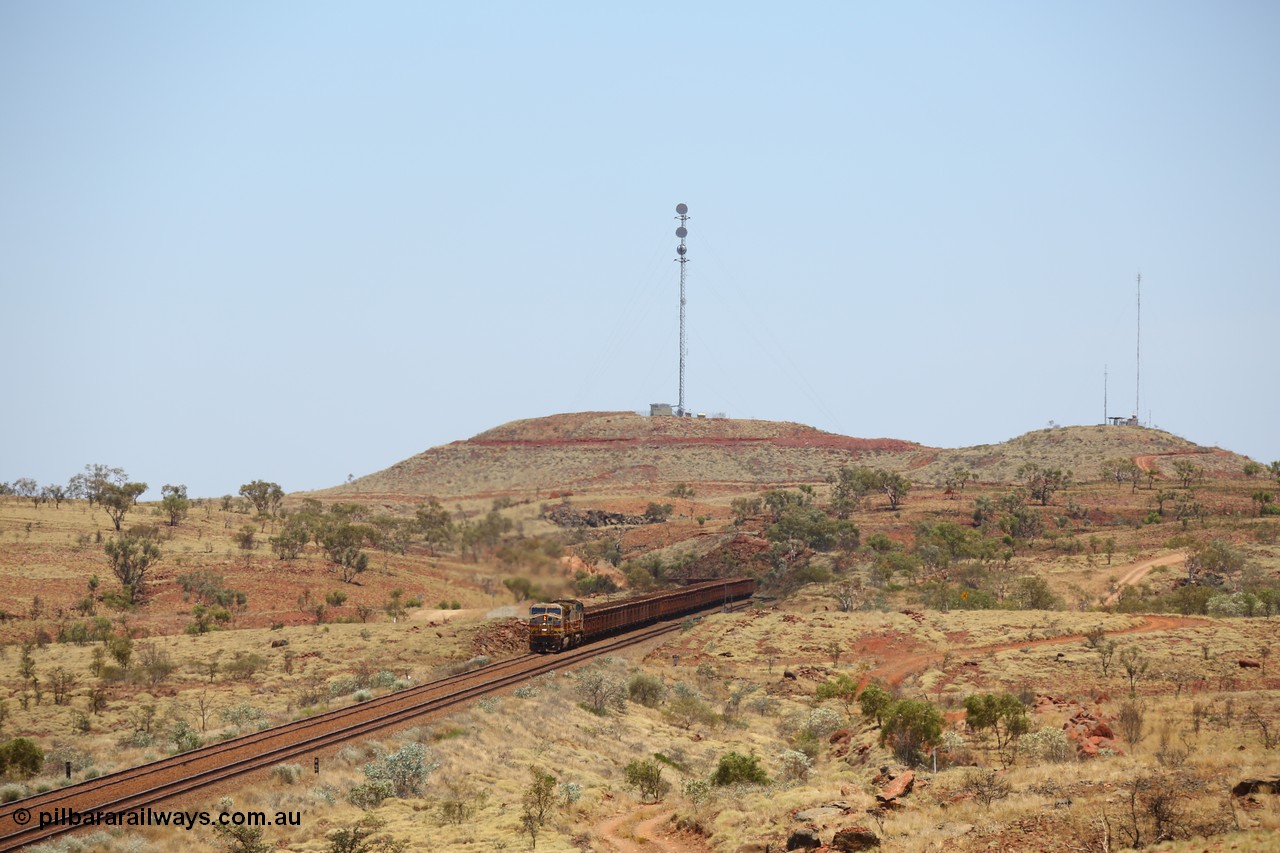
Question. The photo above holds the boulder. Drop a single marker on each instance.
(1248, 663)
(1256, 786)
(1101, 729)
(817, 814)
(855, 838)
(803, 839)
(899, 787)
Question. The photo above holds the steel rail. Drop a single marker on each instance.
(290, 740)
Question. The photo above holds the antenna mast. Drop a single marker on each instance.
(682, 214)
(1137, 397)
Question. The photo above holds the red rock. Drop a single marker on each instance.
(1247, 663)
(897, 788)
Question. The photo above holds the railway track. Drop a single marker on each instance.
(151, 784)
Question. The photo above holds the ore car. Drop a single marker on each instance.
(551, 624)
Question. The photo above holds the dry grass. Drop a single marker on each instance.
(939, 656)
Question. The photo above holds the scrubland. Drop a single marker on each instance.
(721, 737)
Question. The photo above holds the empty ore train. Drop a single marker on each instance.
(565, 623)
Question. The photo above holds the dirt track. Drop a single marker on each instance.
(641, 831)
(1135, 572)
(895, 671)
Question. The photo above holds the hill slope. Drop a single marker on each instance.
(622, 452)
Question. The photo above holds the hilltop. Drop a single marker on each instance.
(623, 452)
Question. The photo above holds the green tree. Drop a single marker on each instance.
(342, 543)
(874, 702)
(25, 487)
(1042, 483)
(1123, 470)
(849, 486)
(735, 768)
(118, 499)
(646, 777)
(1004, 714)
(266, 497)
(1251, 469)
(778, 500)
(292, 538)
(895, 487)
(1033, 593)
(131, 557)
(521, 588)
(21, 758)
(241, 839)
(56, 493)
(842, 688)
(1187, 472)
(435, 524)
(745, 508)
(812, 527)
(175, 503)
(910, 727)
(1135, 666)
(540, 797)
(656, 513)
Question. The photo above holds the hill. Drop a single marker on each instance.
(622, 453)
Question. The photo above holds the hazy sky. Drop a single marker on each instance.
(295, 241)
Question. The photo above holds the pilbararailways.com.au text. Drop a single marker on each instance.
(178, 819)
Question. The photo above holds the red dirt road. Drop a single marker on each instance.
(643, 830)
(895, 671)
(1135, 572)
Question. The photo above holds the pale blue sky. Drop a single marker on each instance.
(296, 241)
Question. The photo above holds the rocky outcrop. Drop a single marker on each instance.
(854, 838)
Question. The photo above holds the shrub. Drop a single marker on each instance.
(686, 710)
(795, 765)
(1048, 745)
(600, 691)
(287, 774)
(645, 689)
(9, 793)
(570, 793)
(646, 777)
(911, 726)
(1131, 722)
(21, 757)
(406, 769)
(735, 768)
(243, 715)
(243, 666)
(986, 786)
(184, 738)
(368, 795)
(822, 722)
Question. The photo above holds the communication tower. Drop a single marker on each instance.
(682, 214)
(1137, 398)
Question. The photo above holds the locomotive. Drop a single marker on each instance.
(566, 623)
(555, 625)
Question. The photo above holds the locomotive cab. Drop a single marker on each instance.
(555, 625)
